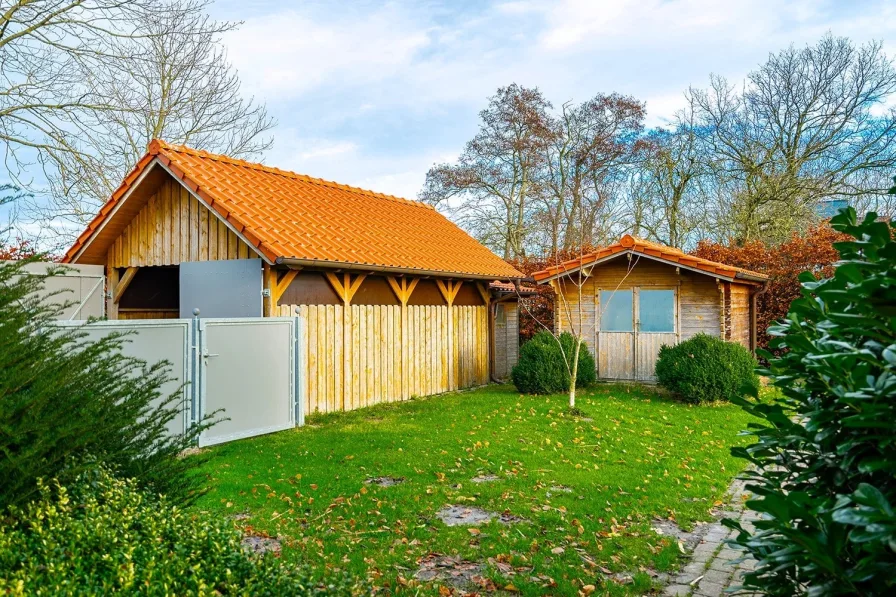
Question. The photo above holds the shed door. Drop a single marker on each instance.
(616, 338)
(230, 288)
(655, 325)
(634, 324)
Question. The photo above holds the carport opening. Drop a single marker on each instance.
(154, 293)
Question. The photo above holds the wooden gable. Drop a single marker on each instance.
(172, 227)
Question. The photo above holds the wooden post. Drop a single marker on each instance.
(403, 290)
(449, 291)
(345, 287)
(267, 285)
(279, 285)
(111, 284)
(489, 332)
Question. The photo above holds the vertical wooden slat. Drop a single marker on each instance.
(362, 356)
(203, 232)
(385, 330)
(212, 237)
(311, 325)
(356, 356)
(322, 358)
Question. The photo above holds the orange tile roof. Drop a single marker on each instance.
(291, 216)
(633, 244)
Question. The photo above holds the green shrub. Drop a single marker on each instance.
(825, 449)
(63, 398)
(706, 369)
(542, 368)
(105, 535)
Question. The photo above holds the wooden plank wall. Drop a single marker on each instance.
(507, 340)
(174, 227)
(369, 345)
(740, 314)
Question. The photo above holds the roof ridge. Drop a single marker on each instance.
(158, 145)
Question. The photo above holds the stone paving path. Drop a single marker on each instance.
(710, 573)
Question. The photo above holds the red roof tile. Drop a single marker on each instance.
(657, 251)
(291, 216)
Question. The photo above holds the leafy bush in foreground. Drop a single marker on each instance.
(825, 450)
(63, 398)
(541, 368)
(105, 535)
(706, 369)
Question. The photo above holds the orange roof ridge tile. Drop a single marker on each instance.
(650, 249)
(156, 146)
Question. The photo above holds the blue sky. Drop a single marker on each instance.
(373, 93)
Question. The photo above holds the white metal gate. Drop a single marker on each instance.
(246, 371)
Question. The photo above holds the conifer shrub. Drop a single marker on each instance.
(824, 454)
(542, 365)
(102, 535)
(64, 399)
(706, 369)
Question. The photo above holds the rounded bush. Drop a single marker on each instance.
(102, 535)
(706, 369)
(542, 368)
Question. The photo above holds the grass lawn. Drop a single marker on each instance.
(640, 457)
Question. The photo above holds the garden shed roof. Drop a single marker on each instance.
(655, 251)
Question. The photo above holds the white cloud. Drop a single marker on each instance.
(372, 95)
(287, 53)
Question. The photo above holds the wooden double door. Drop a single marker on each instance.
(632, 324)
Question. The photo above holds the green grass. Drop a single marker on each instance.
(641, 456)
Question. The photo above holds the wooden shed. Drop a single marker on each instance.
(638, 296)
(395, 296)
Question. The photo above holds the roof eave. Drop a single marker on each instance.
(387, 269)
(738, 275)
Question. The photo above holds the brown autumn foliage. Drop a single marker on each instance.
(812, 251)
(20, 249)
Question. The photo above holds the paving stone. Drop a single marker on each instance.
(721, 577)
(729, 554)
(677, 590)
(694, 568)
(710, 589)
(721, 566)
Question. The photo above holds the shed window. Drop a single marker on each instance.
(616, 311)
(656, 310)
(500, 315)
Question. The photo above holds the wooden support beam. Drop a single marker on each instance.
(281, 284)
(449, 290)
(124, 283)
(403, 288)
(483, 292)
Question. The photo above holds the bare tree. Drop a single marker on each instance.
(489, 189)
(670, 205)
(588, 147)
(804, 128)
(178, 85)
(87, 83)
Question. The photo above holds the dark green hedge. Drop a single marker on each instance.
(706, 369)
(103, 535)
(824, 455)
(542, 366)
(64, 399)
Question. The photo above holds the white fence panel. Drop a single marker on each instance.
(80, 285)
(249, 372)
(154, 340)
